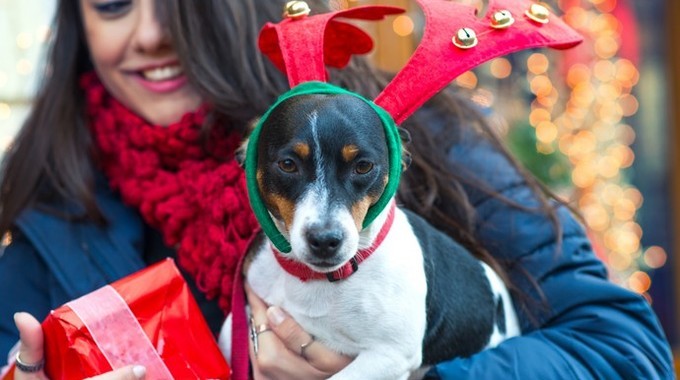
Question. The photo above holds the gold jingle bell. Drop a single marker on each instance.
(538, 13)
(296, 9)
(465, 38)
(502, 19)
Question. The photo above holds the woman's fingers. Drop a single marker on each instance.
(31, 346)
(272, 359)
(284, 349)
(31, 353)
(299, 341)
(131, 372)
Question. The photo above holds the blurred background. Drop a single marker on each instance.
(597, 124)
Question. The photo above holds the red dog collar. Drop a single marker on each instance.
(304, 273)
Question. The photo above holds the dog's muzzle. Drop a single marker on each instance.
(324, 243)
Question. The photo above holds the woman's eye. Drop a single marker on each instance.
(112, 8)
(288, 165)
(363, 167)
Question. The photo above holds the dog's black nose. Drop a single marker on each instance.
(324, 242)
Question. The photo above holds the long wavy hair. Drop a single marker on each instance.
(51, 157)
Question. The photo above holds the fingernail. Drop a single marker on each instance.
(139, 371)
(275, 315)
(18, 315)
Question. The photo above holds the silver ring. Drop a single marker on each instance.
(255, 331)
(303, 347)
(28, 368)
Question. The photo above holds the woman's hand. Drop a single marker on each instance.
(284, 349)
(31, 352)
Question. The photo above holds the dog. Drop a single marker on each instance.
(322, 162)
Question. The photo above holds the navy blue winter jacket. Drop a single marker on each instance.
(591, 328)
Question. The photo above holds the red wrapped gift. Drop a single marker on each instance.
(148, 318)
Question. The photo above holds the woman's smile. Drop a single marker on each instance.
(134, 58)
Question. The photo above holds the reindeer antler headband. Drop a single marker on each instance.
(454, 41)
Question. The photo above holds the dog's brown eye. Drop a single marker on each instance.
(288, 166)
(363, 167)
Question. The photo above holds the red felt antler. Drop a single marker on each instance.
(437, 61)
(301, 47)
(455, 40)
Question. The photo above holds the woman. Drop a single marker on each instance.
(167, 67)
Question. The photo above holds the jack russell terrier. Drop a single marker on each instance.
(397, 294)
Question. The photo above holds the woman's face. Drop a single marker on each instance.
(133, 56)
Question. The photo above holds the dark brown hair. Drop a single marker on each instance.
(49, 158)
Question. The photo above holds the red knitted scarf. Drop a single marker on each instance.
(199, 203)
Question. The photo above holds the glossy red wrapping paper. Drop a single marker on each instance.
(162, 304)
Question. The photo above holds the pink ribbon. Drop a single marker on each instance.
(117, 332)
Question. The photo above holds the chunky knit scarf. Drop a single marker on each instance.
(197, 201)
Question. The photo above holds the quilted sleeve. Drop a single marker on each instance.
(588, 327)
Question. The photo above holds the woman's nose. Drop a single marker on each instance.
(150, 35)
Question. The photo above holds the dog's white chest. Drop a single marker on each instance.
(384, 301)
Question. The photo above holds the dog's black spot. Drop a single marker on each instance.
(461, 309)
(500, 315)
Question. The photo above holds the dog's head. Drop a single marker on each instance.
(322, 162)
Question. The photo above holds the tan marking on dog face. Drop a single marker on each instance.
(302, 150)
(360, 209)
(285, 208)
(277, 204)
(349, 152)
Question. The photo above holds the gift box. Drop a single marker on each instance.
(148, 318)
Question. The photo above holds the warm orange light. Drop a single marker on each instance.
(578, 73)
(629, 105)
(467, 80)
(626, 73)
(403, 25)
(619, 261)
(538, 63)
(577, 17)
(538, 115)
(584, 175)
(541, 85)
(546, 132)
(583, 95)
(634, 195)
(624, 209)
(605, 6)
(655, 257)
(606, 47)
(500, 68)
(596, 217)
(639, 282)
(604, 70)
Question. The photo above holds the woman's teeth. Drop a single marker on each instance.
(162, 73)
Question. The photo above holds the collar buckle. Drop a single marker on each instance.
(354, 265)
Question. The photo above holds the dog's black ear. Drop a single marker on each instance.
(406, 158)
(404, 135)
(240, 153)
